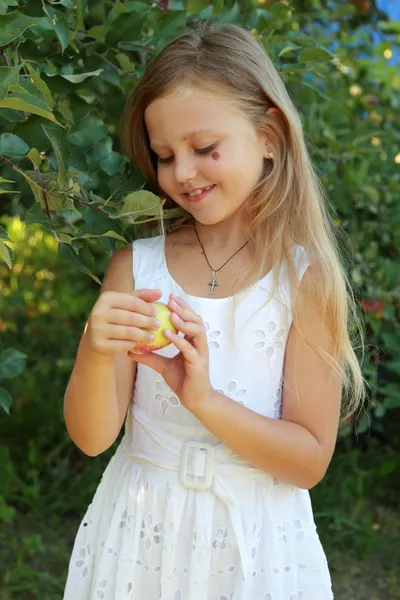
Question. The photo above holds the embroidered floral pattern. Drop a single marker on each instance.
(151, 532)
(269, 341)
(212, 336)
(234, 391)
(165, 397)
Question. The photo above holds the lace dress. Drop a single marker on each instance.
(179, 516)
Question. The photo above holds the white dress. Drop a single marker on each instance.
(172, 520)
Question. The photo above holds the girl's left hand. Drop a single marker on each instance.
(187, 374)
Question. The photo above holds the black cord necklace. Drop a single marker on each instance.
(214, 282)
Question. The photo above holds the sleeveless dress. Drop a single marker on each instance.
(178, 515)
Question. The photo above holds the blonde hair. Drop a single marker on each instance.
(287, 206)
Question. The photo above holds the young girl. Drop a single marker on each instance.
(206, 498)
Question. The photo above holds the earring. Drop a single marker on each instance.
(270, 154)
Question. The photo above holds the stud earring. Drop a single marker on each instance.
(270, 154)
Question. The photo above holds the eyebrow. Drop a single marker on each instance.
(187, 136)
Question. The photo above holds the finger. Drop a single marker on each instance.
(189, 352)
(152, 360)
(148, 295)
(194, 332)
(185, 312)
(128, 317)
(128, 302)
(126, 332)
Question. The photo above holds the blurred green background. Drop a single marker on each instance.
(69, 199)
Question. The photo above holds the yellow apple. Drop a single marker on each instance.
(160, 341)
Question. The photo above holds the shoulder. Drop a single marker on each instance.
(119, 273)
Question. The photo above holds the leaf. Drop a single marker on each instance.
(40, 84)
(13, 24)
(8, 76)
(6, 254)
(30, 104)
(12, 363)
(389, 26)
(46, 191)
(79, 77)
(59, 144)
(140, 203)
(88, 131)
(60, 25)
(280, 12)
(126, 27)
(98, 32)
(288, 49)
(3, 233)
(34, 157)
(80, 259)
(315, 55)
(110, 161)
(371, 193)
(13, 146)
(36, 215)
(98, 224)
(5, 400)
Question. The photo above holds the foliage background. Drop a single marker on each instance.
(69, 198)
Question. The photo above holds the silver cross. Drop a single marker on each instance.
(213, 284)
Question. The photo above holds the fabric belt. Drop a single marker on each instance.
(201, 466)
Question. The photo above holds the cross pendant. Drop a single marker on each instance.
(213, 284)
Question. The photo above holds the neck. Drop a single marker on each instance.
(221, 237)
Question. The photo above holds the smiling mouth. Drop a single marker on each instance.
(199, 194)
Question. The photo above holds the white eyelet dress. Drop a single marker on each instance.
(178, 515)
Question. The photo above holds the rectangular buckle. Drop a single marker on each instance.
(197, 465)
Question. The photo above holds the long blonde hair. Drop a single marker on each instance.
(287, 206)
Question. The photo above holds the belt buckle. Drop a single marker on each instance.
(195, 457)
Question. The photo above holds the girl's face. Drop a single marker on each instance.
(200, 141)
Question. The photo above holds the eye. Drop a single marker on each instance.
(165, 161)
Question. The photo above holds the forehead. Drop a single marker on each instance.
(184, 113)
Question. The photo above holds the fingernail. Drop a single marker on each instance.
(152, 336)
(157, 323)
(154, 312)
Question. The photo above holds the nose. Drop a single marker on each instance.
(185, 168)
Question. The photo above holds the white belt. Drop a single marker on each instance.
(200, 465)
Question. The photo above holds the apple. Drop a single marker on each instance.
(160, 341)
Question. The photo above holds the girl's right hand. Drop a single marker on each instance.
(118, 320)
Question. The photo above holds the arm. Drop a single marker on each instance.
(101, 384)
(297, 448)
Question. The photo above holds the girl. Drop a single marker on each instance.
(206, 498)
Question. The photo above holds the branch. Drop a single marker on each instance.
(84, 203)
(6, 61)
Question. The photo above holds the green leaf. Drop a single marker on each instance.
(30, 104)
(79, 259)
(6, 254)
(34, 157)
(13, 146)
(371, 193)
(46, 190)
(98, 32)
(288, 49)
(5, 401)
(125, 28)
(36, 215)
(315, 55)
(8, 76)
(140, 204)
(58, 141)
(79, 77)
(280, 12)
(88, 131)
(12, 363)
(13, 24)
(3, 233)
(110, 161)
(40, 84)
(389, 26)
(98, 224)
(60, 25)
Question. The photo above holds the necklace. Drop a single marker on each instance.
(214, 282)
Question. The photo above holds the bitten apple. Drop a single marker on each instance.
(160, 341)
